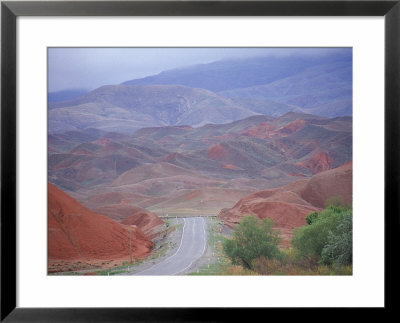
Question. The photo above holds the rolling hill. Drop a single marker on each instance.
(289, 205)
(156, 167)
(126, 108)
(76, 235)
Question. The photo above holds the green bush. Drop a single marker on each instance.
(325, 233)
(339, 248)
(311, 218)
(251, 239)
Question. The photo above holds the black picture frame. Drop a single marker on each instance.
(10, 10)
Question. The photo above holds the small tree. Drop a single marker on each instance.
(251, 239)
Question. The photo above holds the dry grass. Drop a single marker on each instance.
(297, 267)
(289, 265)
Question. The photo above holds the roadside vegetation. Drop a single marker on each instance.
(252, 240)
(322, 247)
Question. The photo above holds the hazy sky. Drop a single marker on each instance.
(89, 68)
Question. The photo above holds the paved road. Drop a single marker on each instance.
(192, 246)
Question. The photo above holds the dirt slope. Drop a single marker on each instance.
(75, 233)
(288, 206)
(328, 184)
(147, 221)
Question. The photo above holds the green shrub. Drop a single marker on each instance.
(311, 217)
(325, 231)
(251, 239)
(339, 247)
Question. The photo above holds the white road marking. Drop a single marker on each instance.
(204, 237)
(204, 249)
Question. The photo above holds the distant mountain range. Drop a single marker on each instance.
(324, 90)
(65, 95)
(219, 92)
(232, 74)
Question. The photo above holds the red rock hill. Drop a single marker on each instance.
(76, 233)
(288, 206)
(147, 221)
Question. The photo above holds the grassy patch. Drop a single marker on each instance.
(124, 268)
(290, 265)
(212, 269)
(110, 272)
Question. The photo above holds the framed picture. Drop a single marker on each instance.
(190, 133)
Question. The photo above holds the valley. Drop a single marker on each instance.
(156, 175)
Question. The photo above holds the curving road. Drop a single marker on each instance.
(192, 246)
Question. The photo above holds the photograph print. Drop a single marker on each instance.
(200, 161)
